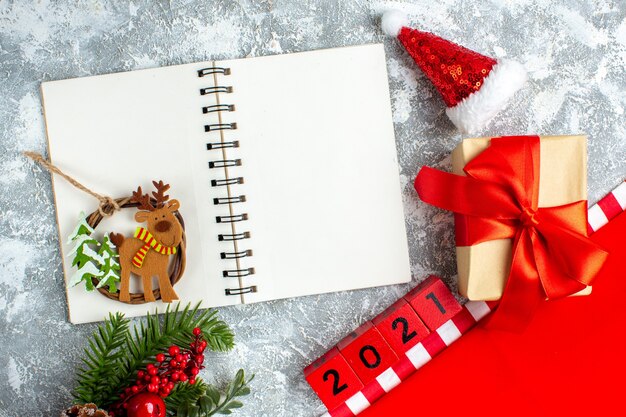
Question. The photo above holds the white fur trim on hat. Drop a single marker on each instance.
(392, 21)
(476, 111)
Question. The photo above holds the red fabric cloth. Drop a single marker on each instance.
(570, 360)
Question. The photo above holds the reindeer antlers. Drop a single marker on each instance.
(144, 200)
(160, 196)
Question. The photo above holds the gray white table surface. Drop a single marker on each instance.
(575, 52)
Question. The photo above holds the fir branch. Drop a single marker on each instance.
(213, 402)
(185, 393)
(154, 336)
(95, 379)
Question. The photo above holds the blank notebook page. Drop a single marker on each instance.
(115, 132)
(320, 164)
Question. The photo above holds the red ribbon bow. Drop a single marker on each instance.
(499, 199)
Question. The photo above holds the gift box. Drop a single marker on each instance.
(521, 221)
(483, 268)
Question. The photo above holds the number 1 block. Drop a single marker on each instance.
(433, 302)
(332, 379)
(367, 352)
(401, 326)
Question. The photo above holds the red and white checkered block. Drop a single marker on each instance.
(414, 358)
(607, 208)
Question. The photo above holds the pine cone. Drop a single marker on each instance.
(84, 410)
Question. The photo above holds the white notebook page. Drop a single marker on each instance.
(115, 132)
(321, 171)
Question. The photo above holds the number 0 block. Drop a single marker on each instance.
(367, 352)
(401, 327)
(433, 302)
(332, 379)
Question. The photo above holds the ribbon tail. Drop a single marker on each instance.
(523, 291)
(465, 195)
(569, 263)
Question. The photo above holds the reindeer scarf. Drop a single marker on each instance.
(151, 243)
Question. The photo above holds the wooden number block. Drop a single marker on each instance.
(433, 302)
(332, 379)
(367, 352)
(401, 326)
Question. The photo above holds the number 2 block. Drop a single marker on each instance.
(401, 327)
(367, 352)
(332, 379)
(433, 302)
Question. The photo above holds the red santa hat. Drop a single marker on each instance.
(474, 87)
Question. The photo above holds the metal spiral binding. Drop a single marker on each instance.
(214, 90)
(224, 163)
(229, 200)
(218, 107)
(227, 237)
(220, 126)
(239, 291)
(213, 70)
(222, 145)
(232, 219)
(236, 273)
(227, 182)
(236, 255)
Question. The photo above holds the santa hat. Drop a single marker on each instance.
(474, 87)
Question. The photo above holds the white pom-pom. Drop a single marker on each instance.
(393, 21)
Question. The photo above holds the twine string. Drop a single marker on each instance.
(107, 206)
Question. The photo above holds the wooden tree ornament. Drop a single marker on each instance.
(168, 273)
(146, 254)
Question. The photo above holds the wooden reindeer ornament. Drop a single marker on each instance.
(147, 253)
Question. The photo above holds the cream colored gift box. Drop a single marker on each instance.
(484, 268)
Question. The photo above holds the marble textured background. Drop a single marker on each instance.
(575, 52)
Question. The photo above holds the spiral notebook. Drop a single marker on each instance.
(285, 167)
